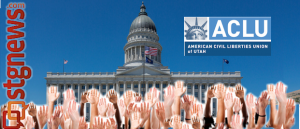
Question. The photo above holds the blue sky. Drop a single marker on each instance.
(91, 36)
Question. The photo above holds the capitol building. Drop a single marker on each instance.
(137, 75)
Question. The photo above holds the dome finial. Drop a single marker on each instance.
(142, 9)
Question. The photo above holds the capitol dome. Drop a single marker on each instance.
(143, 21)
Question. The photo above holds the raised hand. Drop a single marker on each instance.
(99, 123)
(56, 118)
(135, 120)
(93, 96)
(83, 124)
(175, 122)
(237, 105)
(152, 96)
(185, 126)
(160, 111)
(196, 122)
(290, 109)
(111, 110)
(129, 110)
(32, 110)
(66, 121)
(128, 97)
(210, 93)
(73, 113)
(102, 107)
(111, 124)
(220, 92)
(112, 96)
(83, 97)
(168, 101)
(137, 97)
(250, 103)
(271, 91)
(236, 123)
(179, 88)
(52, 94)
(42, 116)
(187, 104)
(68, 97)
(198, 110)
(290, 123)
(122, 107)
(263, 100)
(239, 91)
(280, 93)
(29, 123)
(229, 101)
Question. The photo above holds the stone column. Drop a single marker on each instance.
(106, 88)
(131, 53)
(193, 89)
(117, 87)
(139, 89)
(140, 52)
(125, 86)
(135, 53)
(132, 85)
(200, 92)
(146, 86)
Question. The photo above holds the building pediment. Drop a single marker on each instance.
(143, 69)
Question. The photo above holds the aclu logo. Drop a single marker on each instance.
(219, 29)
(195, 28)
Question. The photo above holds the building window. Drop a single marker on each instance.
(76, 94)
(143, 85)
(97, 86)
(90, 86)
(214, 105)
(202, 94)
(164, 85)
(143, 93)
(203, 101)
(136, 86)
(128, 86)
(69, 86)
(103, 93)
(189, 93)
(203, 86)
(111, 86)
(62, 102)
(76, 86)
(196, 94)
(83, 87)
(121, 85)
(103, 86)
(157, 85)
(189, 86)
(62, 87)
(121, 93)
(196, 86)
(150, 85)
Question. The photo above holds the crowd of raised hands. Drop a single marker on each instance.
(108, 112)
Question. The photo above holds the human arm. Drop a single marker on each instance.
(32, 112)
(113, 98)
(220, 95)
(178, 91)
(52, 97)
(263, 103)
(280, 93)
(187, 106)
(93, 99)
(82, 102)
(229, 102)
(73, 114)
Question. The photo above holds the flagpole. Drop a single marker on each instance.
(144, 60)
